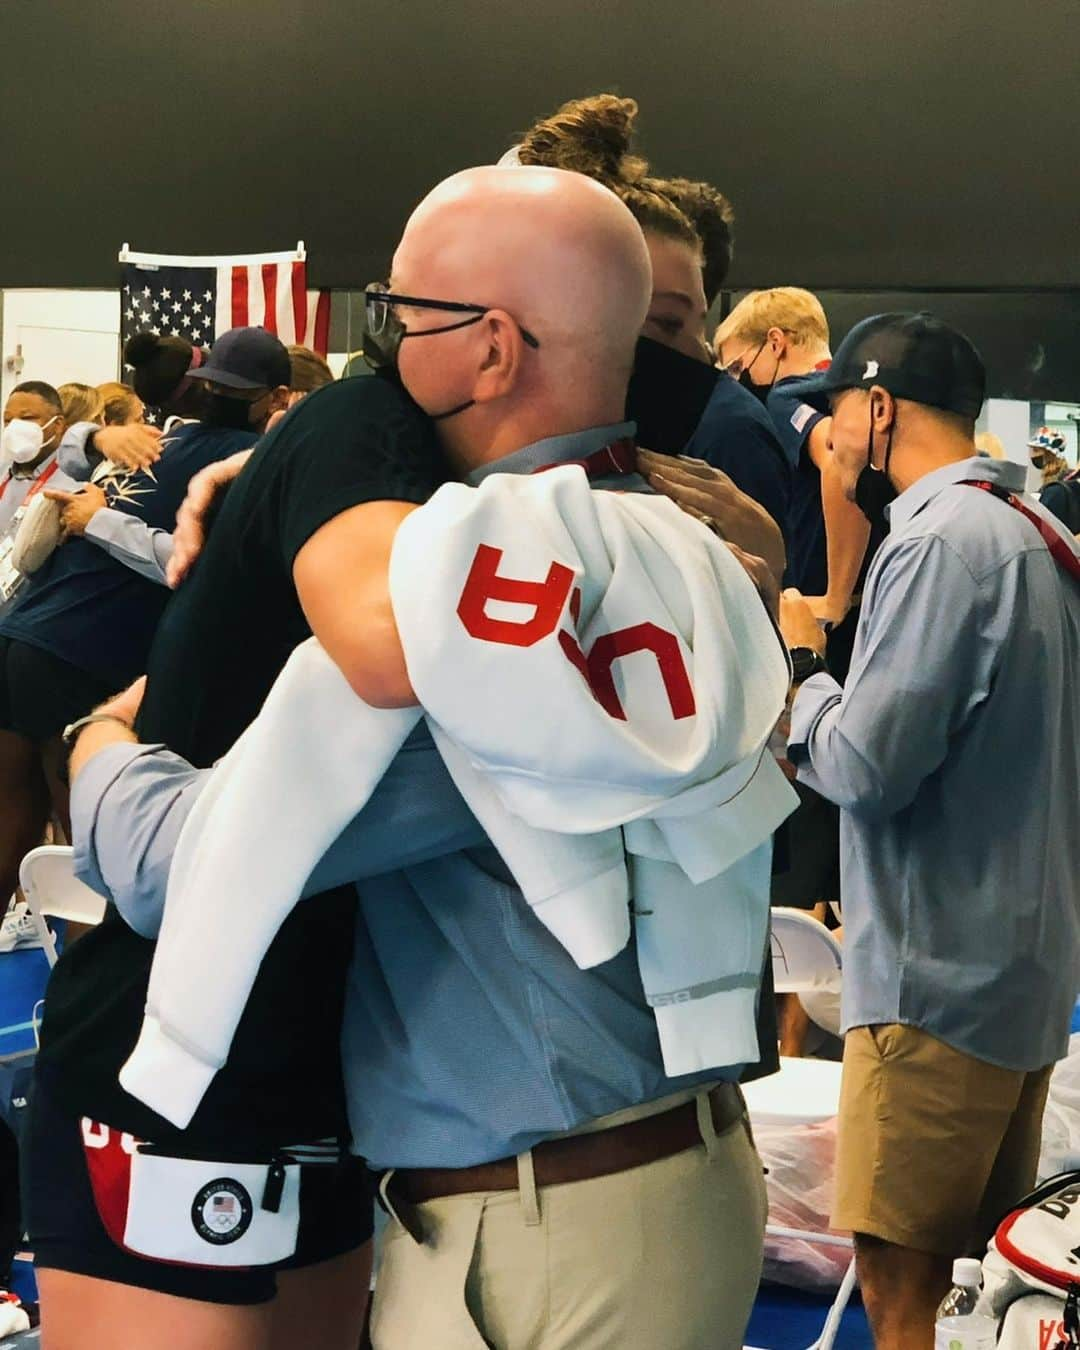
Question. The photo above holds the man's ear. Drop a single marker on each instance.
(777, 340)
(501, 361)
(279, 397)
(882, 408)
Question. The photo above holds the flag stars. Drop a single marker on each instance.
(208, 296)
(187, 295)
(146, 292)
(176, 305)
(196, 336)
(196, 308)
(166, 295)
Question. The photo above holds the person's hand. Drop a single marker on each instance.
(79, 508)
(125, 706)
(760, 573)
(829, 610)
(798, 623)
(710, 495)
(190, 533)
(131, 447)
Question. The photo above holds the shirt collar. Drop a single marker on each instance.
(1012, 477)
(553, 450)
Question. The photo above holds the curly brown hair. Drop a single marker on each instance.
(593, 136)
(713, 216)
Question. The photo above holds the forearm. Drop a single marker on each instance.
(132, 542)
(76, 456)
(847, 533)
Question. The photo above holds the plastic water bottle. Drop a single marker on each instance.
(959, 1326)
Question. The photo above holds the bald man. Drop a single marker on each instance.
(549, 1186)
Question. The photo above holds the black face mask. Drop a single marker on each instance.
(759, 391)
(392, 375)
(873, 488)
(232, 414)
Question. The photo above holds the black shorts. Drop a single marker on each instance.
(336, 1216)
(40, 694)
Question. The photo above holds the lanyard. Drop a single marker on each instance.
(620, 457)
(38, 484)
(1062, 554)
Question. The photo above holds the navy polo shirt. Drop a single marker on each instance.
(93, 611)
(793, 418)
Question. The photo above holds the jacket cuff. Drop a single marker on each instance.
(165, 1075)
(591, 919)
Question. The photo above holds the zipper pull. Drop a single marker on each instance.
(1071, 1320)
(275, 1186)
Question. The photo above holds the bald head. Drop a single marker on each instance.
(555, 251)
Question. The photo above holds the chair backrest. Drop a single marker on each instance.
(805, 955)
(47, 877)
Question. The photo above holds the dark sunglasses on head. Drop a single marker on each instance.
(385, 332)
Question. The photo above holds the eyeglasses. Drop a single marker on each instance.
(385, 331)
(737, 365)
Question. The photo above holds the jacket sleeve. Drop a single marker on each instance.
(307, 764)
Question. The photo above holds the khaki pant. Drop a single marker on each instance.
(934, 1145)
(662, 1257)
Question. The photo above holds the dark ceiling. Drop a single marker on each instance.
(865, 143)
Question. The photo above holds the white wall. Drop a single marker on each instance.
(59, 336)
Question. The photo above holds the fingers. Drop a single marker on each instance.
(55, 495)
(679, 467)
(688, 496)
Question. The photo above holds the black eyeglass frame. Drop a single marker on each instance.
(373, 297)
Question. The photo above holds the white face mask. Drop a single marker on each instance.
(22, 440)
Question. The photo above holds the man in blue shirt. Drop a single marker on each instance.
(521, 1101)
(953, 751)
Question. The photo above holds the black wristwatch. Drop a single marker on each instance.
(805, 662)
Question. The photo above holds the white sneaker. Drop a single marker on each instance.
(18, 930)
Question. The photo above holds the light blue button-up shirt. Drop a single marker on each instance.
(953, 751)
(469, 1034)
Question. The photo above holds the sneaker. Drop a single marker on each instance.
(18, 930)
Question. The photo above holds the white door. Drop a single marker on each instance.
(59, 337)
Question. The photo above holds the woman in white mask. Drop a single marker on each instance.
(33, 425)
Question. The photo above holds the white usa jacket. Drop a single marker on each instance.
(601, 678)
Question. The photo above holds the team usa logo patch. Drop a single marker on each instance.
(222, 1211)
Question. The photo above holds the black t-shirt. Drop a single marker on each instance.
(223, 641)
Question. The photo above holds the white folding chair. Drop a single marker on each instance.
(806, 960)
(48, 881)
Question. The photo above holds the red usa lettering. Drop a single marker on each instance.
(1050, 1333)
(96, 1135)
(548, 599)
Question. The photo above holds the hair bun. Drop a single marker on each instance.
(591, 136)
(141, 349)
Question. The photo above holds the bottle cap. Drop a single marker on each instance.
(967, 1273)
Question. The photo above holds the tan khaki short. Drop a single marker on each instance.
(934, 1145)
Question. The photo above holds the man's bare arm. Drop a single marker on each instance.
(847, 532)
(342, 579)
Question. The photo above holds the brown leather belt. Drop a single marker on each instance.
(578, 1157)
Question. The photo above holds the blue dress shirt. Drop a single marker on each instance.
(953, 751)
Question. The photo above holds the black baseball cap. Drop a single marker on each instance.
(246, 358)
(913, 356)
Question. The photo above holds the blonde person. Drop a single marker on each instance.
(122, 405)
(771, 341)
(81, 403)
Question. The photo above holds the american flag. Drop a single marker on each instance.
(200, 298)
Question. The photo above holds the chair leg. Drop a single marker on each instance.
(831, 1329)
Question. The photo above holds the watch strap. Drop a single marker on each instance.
(71, 732)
